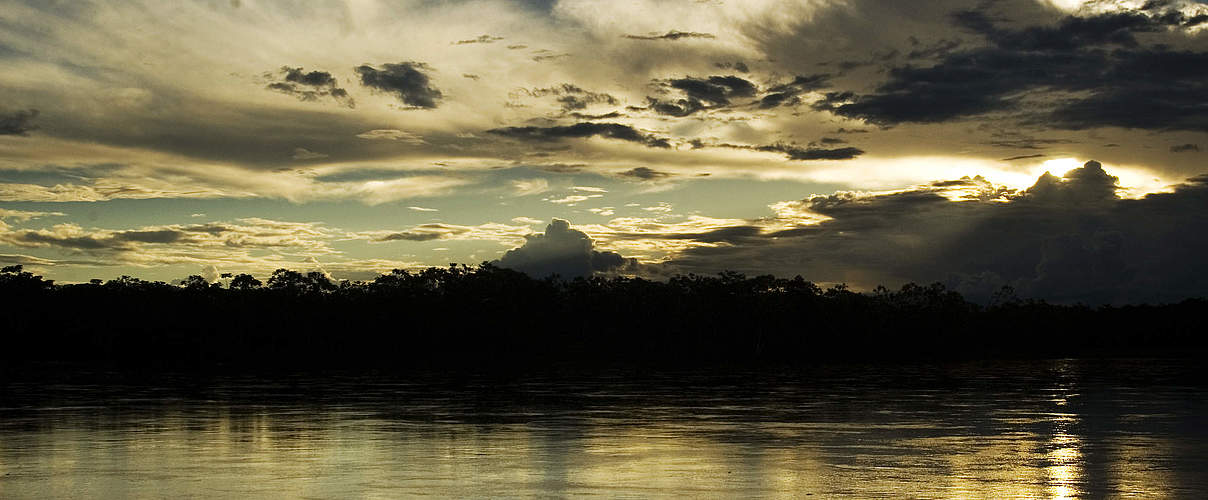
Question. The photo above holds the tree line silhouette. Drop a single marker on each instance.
(487, 315)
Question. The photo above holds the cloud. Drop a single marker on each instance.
(573, 97)
(1069, 238)
(1083, 72)
(1185, 148)
(306, 154)
(526, 187)
(244, 243)
(309, 85)
(571, 200)
(543, 55)
(24, 215)
(424, 232)
(715, 89)
(1022, 157)
(645, 174)
(787, 94)
(500, 233)
(794, 152)
(18, 122)
(407, 81)
(422, 209)
(701, 94)
(738, 66)
(583, 130)
(672, 36)
(209, 272)
(386, 134)
(561, 251)
(847, 153)
(479, 39)
(602, 116)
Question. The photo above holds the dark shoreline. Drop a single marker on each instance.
(494, 319)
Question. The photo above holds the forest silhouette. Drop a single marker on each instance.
(491, 316)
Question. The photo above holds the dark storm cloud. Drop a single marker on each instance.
(18, 122)
(645, 174)
(479, 39)
(672, 35)
(787, 93)
(1185, 148)
(408, 81)
(309, 85)
(1067, 239)
(583, 130)
(562, 251)
(1093, 71)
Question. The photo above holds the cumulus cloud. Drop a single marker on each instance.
(309, 85)
(407, 81)
(561, 251)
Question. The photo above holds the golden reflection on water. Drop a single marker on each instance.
(1062, 442)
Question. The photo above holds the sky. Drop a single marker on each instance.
(1055, 146)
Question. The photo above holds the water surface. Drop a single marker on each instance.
(992, 430)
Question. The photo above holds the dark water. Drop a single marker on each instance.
(989, 430)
